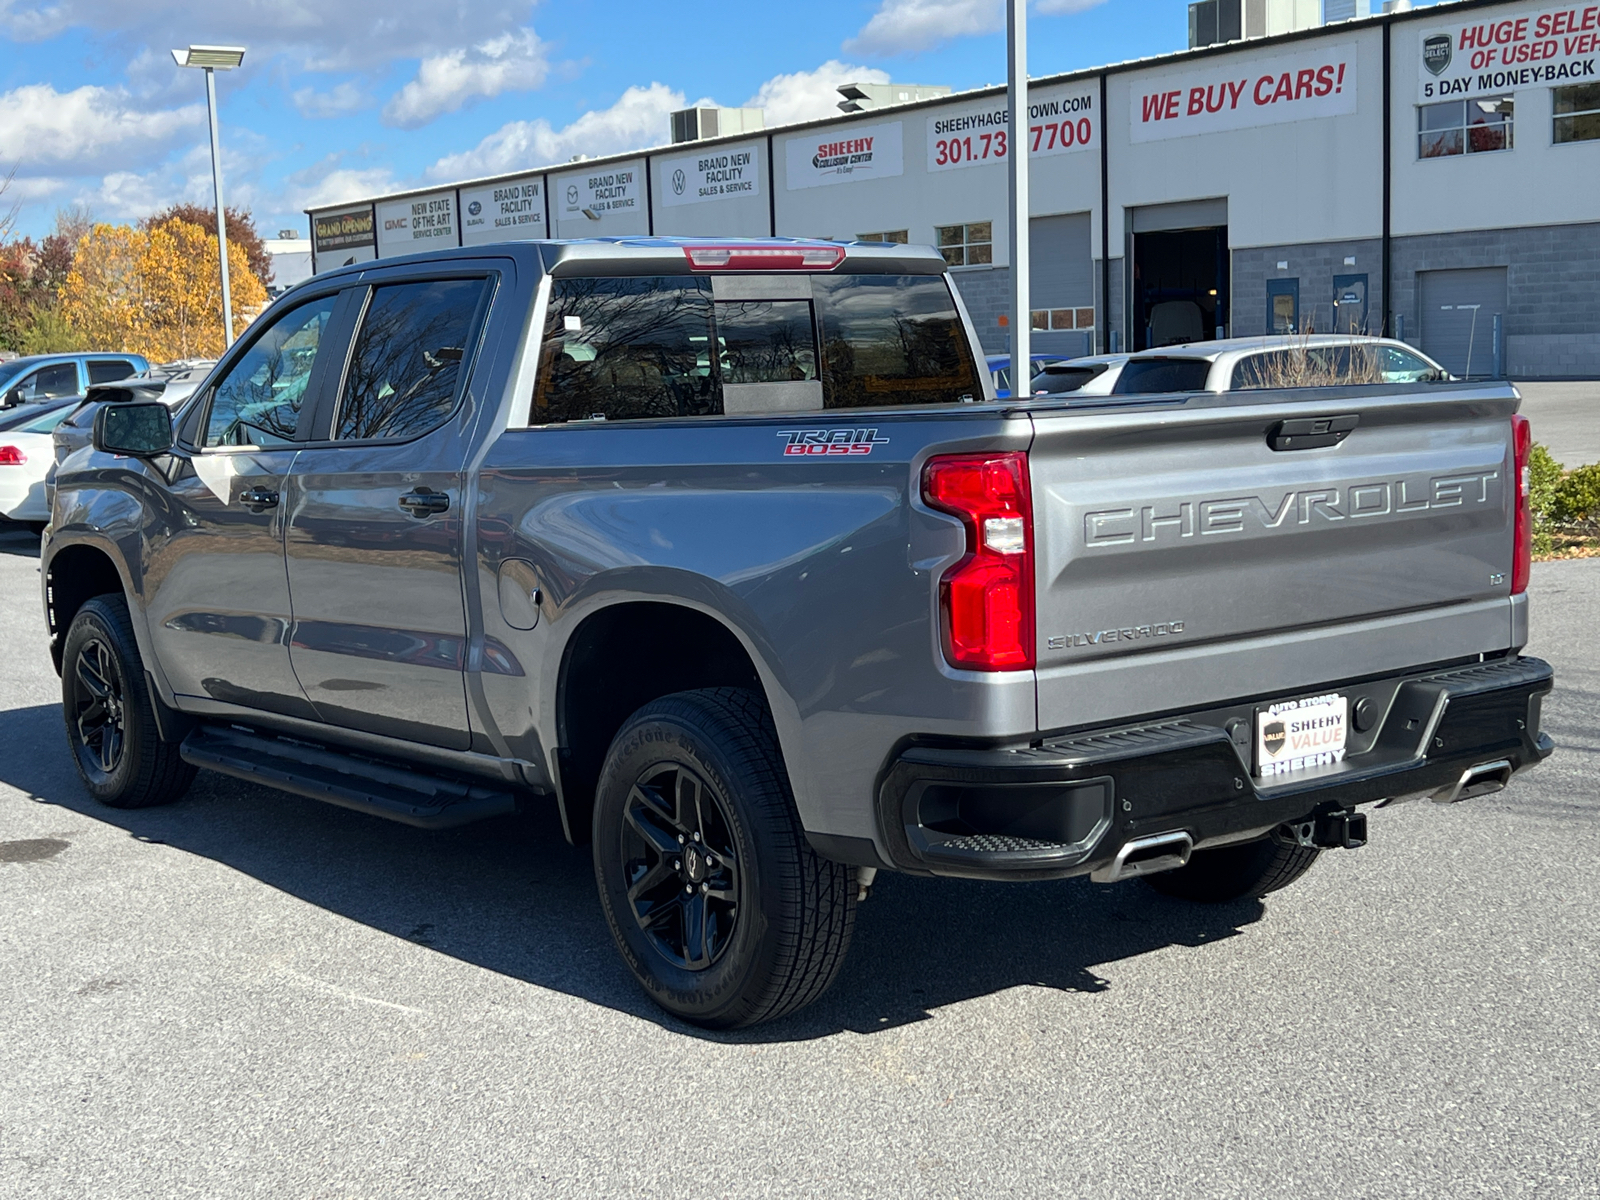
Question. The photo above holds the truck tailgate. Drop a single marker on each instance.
(1180, 560)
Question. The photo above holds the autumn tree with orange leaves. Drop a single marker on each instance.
(156, 292)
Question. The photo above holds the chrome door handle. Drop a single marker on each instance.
(420, 503)
(258, 499)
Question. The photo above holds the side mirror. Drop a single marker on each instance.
(136, 430)
(13, 398)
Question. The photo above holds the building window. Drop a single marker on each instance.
(1577, 113)
(1464, 127)
(967, 245)
(1052, 320)
(898, 237)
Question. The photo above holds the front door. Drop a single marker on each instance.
(218, 595)
(375, 523)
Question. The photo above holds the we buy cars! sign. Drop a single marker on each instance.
(1551, 48)
(1319, 82)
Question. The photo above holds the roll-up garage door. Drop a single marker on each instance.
(1062, 285)
(1458, 312)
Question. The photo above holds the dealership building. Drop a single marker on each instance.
(1433, 174)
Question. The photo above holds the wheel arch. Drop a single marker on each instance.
(618, 659)
(74, 575)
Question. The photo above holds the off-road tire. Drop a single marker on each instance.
(146, 771)
(795, 910)
(1233, 872)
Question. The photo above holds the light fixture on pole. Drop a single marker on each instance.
(211, 59)
(1017, 134)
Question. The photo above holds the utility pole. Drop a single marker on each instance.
(1017, 157)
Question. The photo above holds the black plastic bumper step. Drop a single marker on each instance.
(367, 785)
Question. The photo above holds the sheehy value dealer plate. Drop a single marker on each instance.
(1293, 735)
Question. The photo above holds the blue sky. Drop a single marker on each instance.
(335, 102)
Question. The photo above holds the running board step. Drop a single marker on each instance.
(371, 786)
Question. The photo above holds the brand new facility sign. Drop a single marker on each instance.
(1316, 82)
(504, 211)
(722, 173)
(845, 154)
(1487, 56)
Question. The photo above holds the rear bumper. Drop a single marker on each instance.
(1070, 806)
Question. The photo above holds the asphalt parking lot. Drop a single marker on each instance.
(252, 994)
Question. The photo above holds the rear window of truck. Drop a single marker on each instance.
(664, 346)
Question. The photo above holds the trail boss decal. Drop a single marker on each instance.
(1296, 734)
(830, 442)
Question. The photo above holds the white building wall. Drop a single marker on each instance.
(1536, 182)
(1292, 169)
(712, 191)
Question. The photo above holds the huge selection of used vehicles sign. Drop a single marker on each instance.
(1489, 55)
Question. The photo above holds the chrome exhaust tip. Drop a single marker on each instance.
(1146, 856)
(1481, 780)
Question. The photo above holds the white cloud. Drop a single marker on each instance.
(341, 101)
(909, 26)
(321, 35)
(329, 181)
(636, 121)
(512, 62)
(90, 129)
(810, 95)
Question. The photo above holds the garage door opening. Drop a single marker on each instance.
(1180, 286)
(1458, 318)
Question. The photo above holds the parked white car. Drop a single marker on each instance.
(1286, 360)
(1091, 375)
(26, 454)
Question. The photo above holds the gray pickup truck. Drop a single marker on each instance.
(728, 552)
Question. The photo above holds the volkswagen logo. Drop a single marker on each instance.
(679, 182)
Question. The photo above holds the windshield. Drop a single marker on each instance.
(45, 423)
(1142, 376)
(1053, 381)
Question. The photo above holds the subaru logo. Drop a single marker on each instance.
(1436, 53)
(474, 208)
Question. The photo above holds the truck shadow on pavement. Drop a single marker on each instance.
(511, 896)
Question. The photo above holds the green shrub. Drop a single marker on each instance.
(1576, 497)
(1544, 474)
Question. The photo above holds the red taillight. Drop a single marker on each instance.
(764, 258)
(12, 456)
(986, 599)
(1522, 547)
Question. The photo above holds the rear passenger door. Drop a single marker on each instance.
(374, 542)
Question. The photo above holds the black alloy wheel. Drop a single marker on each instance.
(98, 708)
(716, 901)
(678, 856)
(110, 717)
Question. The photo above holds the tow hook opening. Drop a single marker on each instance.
(1342, 830)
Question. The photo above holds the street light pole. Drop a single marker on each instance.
(1017, 156)
(222, 212)
(212, 59)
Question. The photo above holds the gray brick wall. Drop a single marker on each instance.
(1314, 264)
(1553, 355)
(987, 295)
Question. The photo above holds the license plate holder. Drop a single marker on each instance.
(1294, 736)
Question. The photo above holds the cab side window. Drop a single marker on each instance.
(626, 349)
(259, 401)
(409, 358)
(109, 370)
(49, 383)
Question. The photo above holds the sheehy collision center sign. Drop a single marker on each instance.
(1060, 121)
(720, 174)
(1551, 48)
(1318, 82)
(845, 155)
